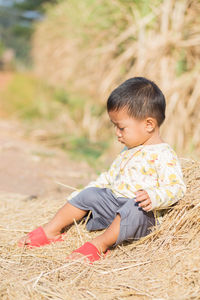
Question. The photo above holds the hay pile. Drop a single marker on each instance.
(164, 265)
(92, 46)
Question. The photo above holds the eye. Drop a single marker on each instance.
(120, 128)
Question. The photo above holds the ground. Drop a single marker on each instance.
(33, 170)
(165, 265)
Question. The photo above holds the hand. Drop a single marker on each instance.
(143, 199)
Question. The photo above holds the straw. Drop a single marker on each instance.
(163, 265)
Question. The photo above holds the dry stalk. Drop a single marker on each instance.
(162, 45)
(67, 186)
(164, 265)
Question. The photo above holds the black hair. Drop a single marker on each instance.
(141, 97)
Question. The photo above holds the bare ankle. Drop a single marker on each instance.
(50, 230)
(102, 247)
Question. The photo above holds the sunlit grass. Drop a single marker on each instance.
(92, 46)
(68, 120)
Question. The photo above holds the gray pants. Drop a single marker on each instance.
(135, 222)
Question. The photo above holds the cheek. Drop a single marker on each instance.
(133, 133)
(128, 133)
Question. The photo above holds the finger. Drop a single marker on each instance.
(147, 208)
(141, 192)
(141, 197)
(145, 203)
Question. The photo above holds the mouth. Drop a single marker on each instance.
(120, 140)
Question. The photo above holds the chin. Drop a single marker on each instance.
(131, 146)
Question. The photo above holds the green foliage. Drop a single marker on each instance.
(61, 96)
(75, 103)
(82, 148)
(16, 28)
(2, 48)
(29, 98)
(181, 65)
(103, 14)
(33, 101)
(19, 31)
(13, 34)
(33, 5)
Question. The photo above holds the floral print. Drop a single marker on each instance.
(153, 168)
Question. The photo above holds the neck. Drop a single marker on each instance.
(154, 138)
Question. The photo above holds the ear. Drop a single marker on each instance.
(150, 124)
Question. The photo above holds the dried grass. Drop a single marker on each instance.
(164, 265)
(164, 45)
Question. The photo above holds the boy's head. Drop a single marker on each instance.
(138, 100)
(141, 97)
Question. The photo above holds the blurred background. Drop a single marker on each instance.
(59, 60)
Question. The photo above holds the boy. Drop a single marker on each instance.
(140, 185)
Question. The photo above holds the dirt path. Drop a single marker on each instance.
(5, 78)
(31, 169)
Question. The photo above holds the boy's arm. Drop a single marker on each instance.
(171, 185)
(102, 181)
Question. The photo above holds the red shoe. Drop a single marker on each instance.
(90, 252)
(38, 238)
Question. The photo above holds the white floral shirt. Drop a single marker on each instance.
(153, 168)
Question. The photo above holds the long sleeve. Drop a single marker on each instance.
(170, 185)
(102, 181)
(153, 168)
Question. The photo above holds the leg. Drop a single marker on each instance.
(101, 242)
(76, 209)
(109, 237)
(131, 222)
(135, 222)
(64, 217)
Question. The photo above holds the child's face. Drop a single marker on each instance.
(129, 131)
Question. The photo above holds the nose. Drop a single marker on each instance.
(118, 132)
